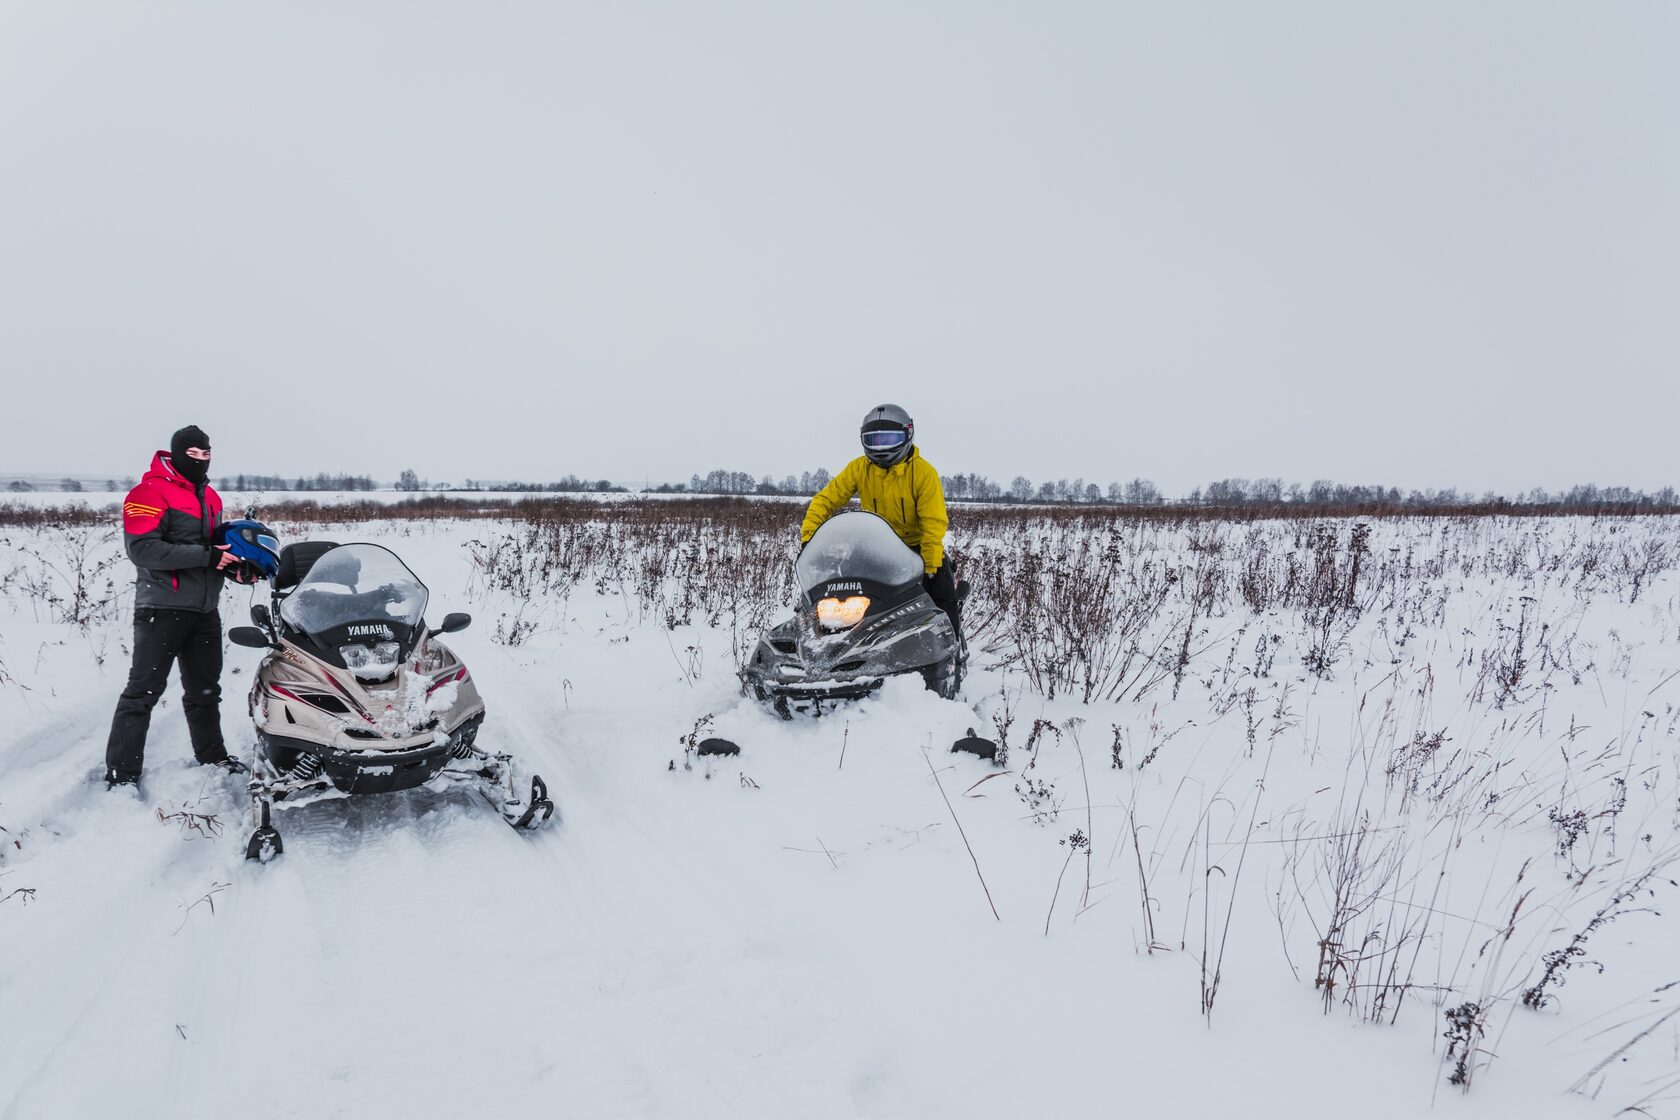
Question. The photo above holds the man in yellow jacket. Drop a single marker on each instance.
(892, 479)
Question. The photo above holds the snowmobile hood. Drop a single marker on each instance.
(796, 659)
(329, 702)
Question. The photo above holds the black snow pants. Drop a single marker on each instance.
(193, 638)
(942, 589)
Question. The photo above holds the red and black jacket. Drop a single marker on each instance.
(168, 528)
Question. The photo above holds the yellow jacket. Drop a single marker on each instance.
(908, 494)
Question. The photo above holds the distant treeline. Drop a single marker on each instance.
(1225, 494)
(321, 482)
(571, 484)
(740, 482)
(69, 485)
(958, 487)
(746, 510)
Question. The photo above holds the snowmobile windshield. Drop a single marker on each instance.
(856, 545)
(355, 585)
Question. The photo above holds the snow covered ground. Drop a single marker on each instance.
(1329, 786)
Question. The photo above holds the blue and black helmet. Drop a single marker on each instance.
(254, 546)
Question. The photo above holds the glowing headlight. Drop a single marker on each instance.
(841, 614)
(375, 662)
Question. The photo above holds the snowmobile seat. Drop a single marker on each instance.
(297, 559)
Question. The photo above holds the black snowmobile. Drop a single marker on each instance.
(863, 616)
(357, 695)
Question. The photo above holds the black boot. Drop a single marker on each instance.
(116, 779)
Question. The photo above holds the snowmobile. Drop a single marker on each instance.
(357, 696)
(863, 616)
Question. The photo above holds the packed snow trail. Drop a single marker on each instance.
(678, 946)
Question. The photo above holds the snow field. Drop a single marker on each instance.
(803, 930)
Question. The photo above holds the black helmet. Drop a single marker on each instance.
(887, 433)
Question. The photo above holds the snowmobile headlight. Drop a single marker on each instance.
(841, 614)
(430, 658)
(374, 662)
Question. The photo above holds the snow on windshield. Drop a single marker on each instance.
(355, 583)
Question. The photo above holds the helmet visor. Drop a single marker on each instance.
(889, 439)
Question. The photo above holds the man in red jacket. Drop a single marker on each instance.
(169, 526)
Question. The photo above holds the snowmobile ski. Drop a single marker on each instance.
(265, 842)
(976, 746)
(533, 814)
(716, 747)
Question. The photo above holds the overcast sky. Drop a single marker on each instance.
(1420, 243)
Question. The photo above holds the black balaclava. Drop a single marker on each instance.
(195, 471)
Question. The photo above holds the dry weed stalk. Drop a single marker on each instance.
(928, 758)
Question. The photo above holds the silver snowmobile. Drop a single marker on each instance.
(863, 616)
(357, 695)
